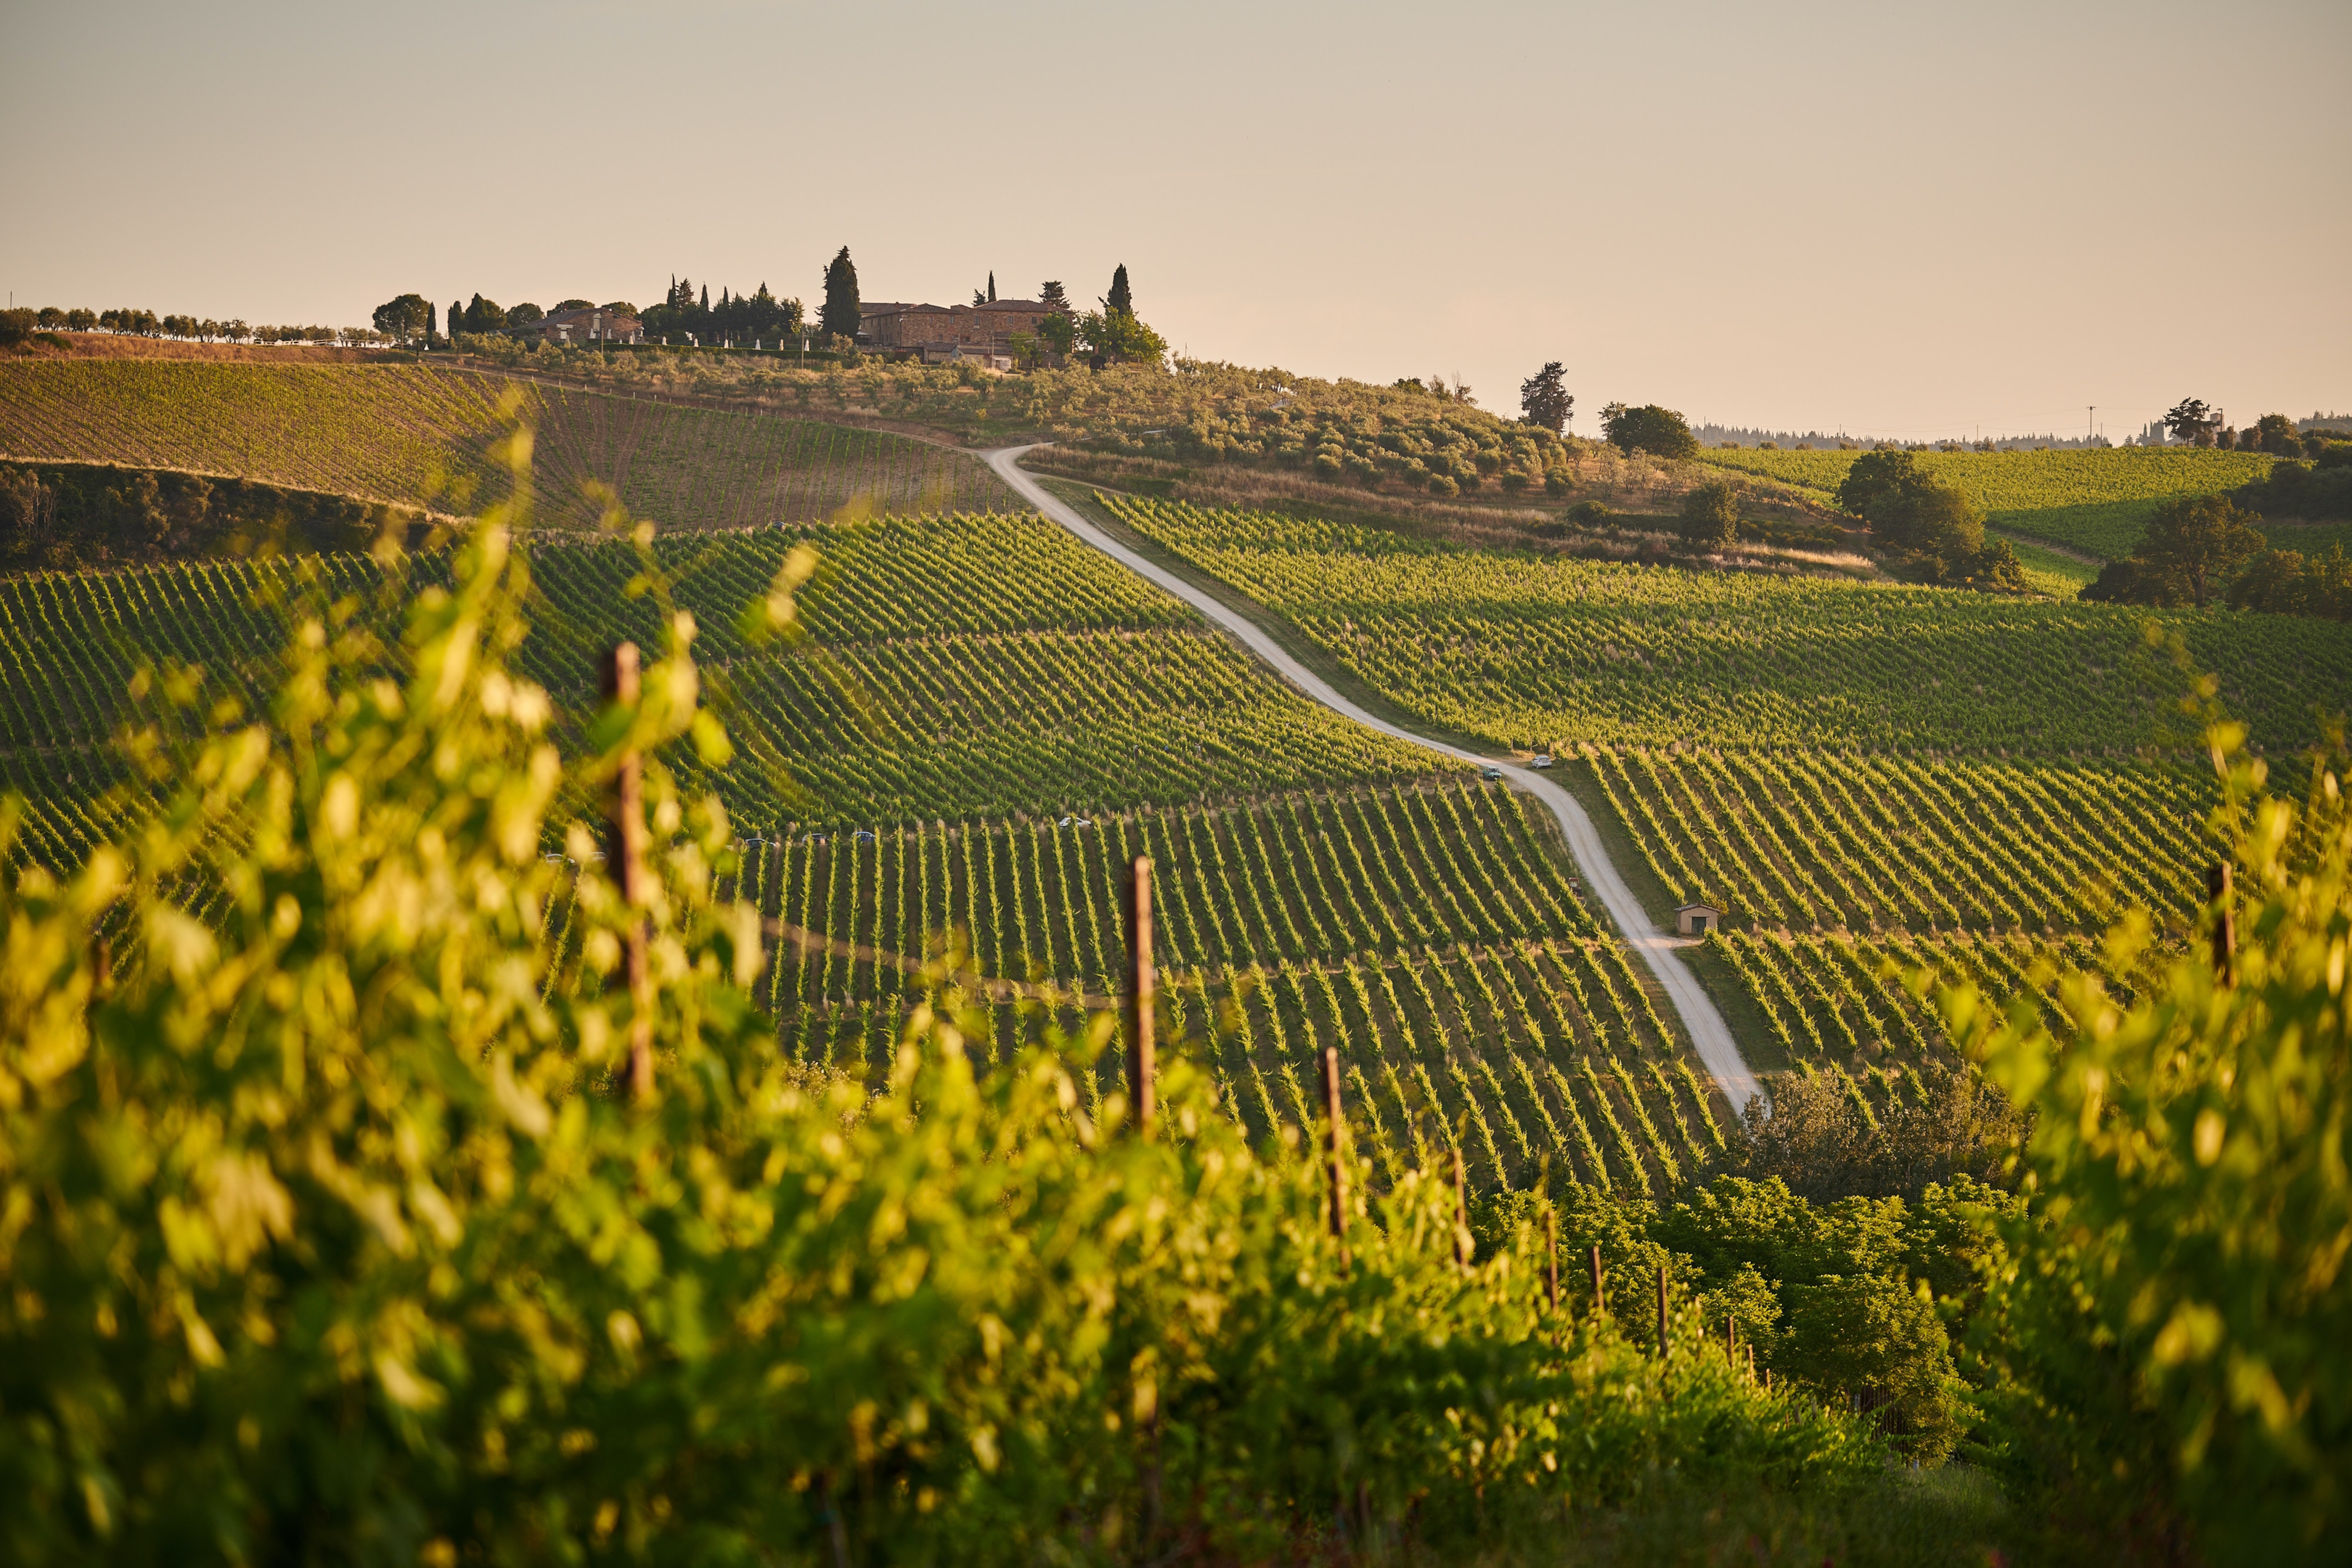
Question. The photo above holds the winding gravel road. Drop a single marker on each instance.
(1713, 1039)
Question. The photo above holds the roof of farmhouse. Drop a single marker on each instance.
(1029, 307)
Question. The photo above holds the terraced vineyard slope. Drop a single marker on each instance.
(418, 436)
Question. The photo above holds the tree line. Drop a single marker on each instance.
(2194, 422)
(57, 517)
(22, 323)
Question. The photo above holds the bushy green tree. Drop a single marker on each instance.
(2192, 545)
(1710, 515)
(2283, 582)
(482, 316)
(1660, 432)
(2276, 433)
(1115, 337)
(2165, 1353)
(408, 317)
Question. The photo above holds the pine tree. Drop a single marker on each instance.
(840, 314)
(1053, 294)
(1544, 401)
(1121, 297)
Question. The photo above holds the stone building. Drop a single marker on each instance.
(591, 326)
(985, 329)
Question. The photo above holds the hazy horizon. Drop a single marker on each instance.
(1824, 216)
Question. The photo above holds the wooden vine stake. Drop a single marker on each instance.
(1551, 1261)
(1461, 1213)
(1600, 1300)
(1141, 1071)
(1662, 1312)
(624, 853)
(1730, 1339)
(2225, 925)
(1331, 1119)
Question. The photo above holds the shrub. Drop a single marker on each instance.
(1710, 516)
(2166, 1355)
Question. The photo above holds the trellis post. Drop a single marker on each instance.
(1662, 1312)
(1331, 1117)
(1141, 1070)
(1551, 1261)
(624, 846)
(2225, 925)
(1461, 1213)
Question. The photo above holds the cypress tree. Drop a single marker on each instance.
(705, 299)
(840, 314)
(1120, 299)
(992, 286)
(457, 316)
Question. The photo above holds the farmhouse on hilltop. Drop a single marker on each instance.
(590, 326)
(940, 330)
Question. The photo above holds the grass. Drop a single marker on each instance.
(2051, 571)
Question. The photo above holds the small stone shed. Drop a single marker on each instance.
(1697, 919)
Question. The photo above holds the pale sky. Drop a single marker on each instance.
(1896, 219)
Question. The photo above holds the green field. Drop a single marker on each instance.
(2095, 502)
(420, 436)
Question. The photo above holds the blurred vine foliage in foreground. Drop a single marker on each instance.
(325, 1236)
(2163, 1359)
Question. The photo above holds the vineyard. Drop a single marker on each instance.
(1814, 842)
(1869, 780)
(1527, 651)
(2093, 500)
(1428, 932)
(986, 723)
(419, 435)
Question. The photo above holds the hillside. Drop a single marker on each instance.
(988, 721)
(418, 434)
(1866, 779)
(2095, 501)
